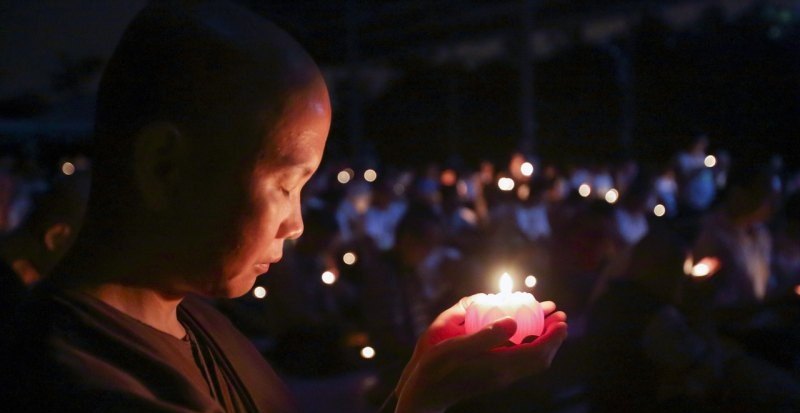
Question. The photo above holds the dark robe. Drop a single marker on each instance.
(77, 353)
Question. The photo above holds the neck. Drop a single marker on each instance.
(149, 306)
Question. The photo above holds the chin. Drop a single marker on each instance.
(237, 285)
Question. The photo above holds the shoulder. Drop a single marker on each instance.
(77, 354)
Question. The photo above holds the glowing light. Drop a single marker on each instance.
(612, 196)
(710, 161)
(706, 267)
(530, 281)
(259, 292)
(367, 352)
(659, 210)
(67, 168)
(797, 290)
(370, 175)
(448, 177)
(701, 269)
(506, 283)
(505, 184)
(584, 190)
(349, 258)
(343, 177)
(328, 277)
(526, 169)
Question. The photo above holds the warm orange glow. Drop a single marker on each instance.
(797, 290)
(448, 177)
(67, 168)
(706, 267)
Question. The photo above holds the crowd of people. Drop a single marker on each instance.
(651, 263)
(684, 279)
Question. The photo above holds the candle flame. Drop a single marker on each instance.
(506, 283)
(700, 270)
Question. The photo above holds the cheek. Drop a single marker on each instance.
(262, 222)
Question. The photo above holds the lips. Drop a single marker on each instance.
(262, 268)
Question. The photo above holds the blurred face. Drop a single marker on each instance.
(265, 207)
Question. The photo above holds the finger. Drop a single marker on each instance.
(530, 358)
(555, 317)
(497, 334)
(548, 307)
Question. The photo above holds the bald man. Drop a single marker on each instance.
(210, 120)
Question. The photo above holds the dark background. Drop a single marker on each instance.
(445, 81)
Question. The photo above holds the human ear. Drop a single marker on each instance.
(160, 160)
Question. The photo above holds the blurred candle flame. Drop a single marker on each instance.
(705, 267)
(505, 184)
(367, 352)
(526, 169)
(349, 258)
(506, 283)
(612, 196)
(659, 210)
(328, 277)
(585, 190)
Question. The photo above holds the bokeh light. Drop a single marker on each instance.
(701, 269)
(448, 177)
(259, 292)
(530, 281)
(659, 210)
(343, 177)
(526, 169)
(367, 352)
(67, 168)
(584, 190)
(349, 258)
(370, 175)
(505, 184)
(710, 161)
(612, 196)
(328, 277)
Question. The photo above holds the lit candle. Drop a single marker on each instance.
(485, 309)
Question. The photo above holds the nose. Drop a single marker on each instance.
(292, 226)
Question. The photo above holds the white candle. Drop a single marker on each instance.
(485, 309)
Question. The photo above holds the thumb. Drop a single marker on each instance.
(490, 337)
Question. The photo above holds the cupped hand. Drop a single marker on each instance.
(449, 365)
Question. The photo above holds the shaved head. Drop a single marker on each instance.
(202, 106)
